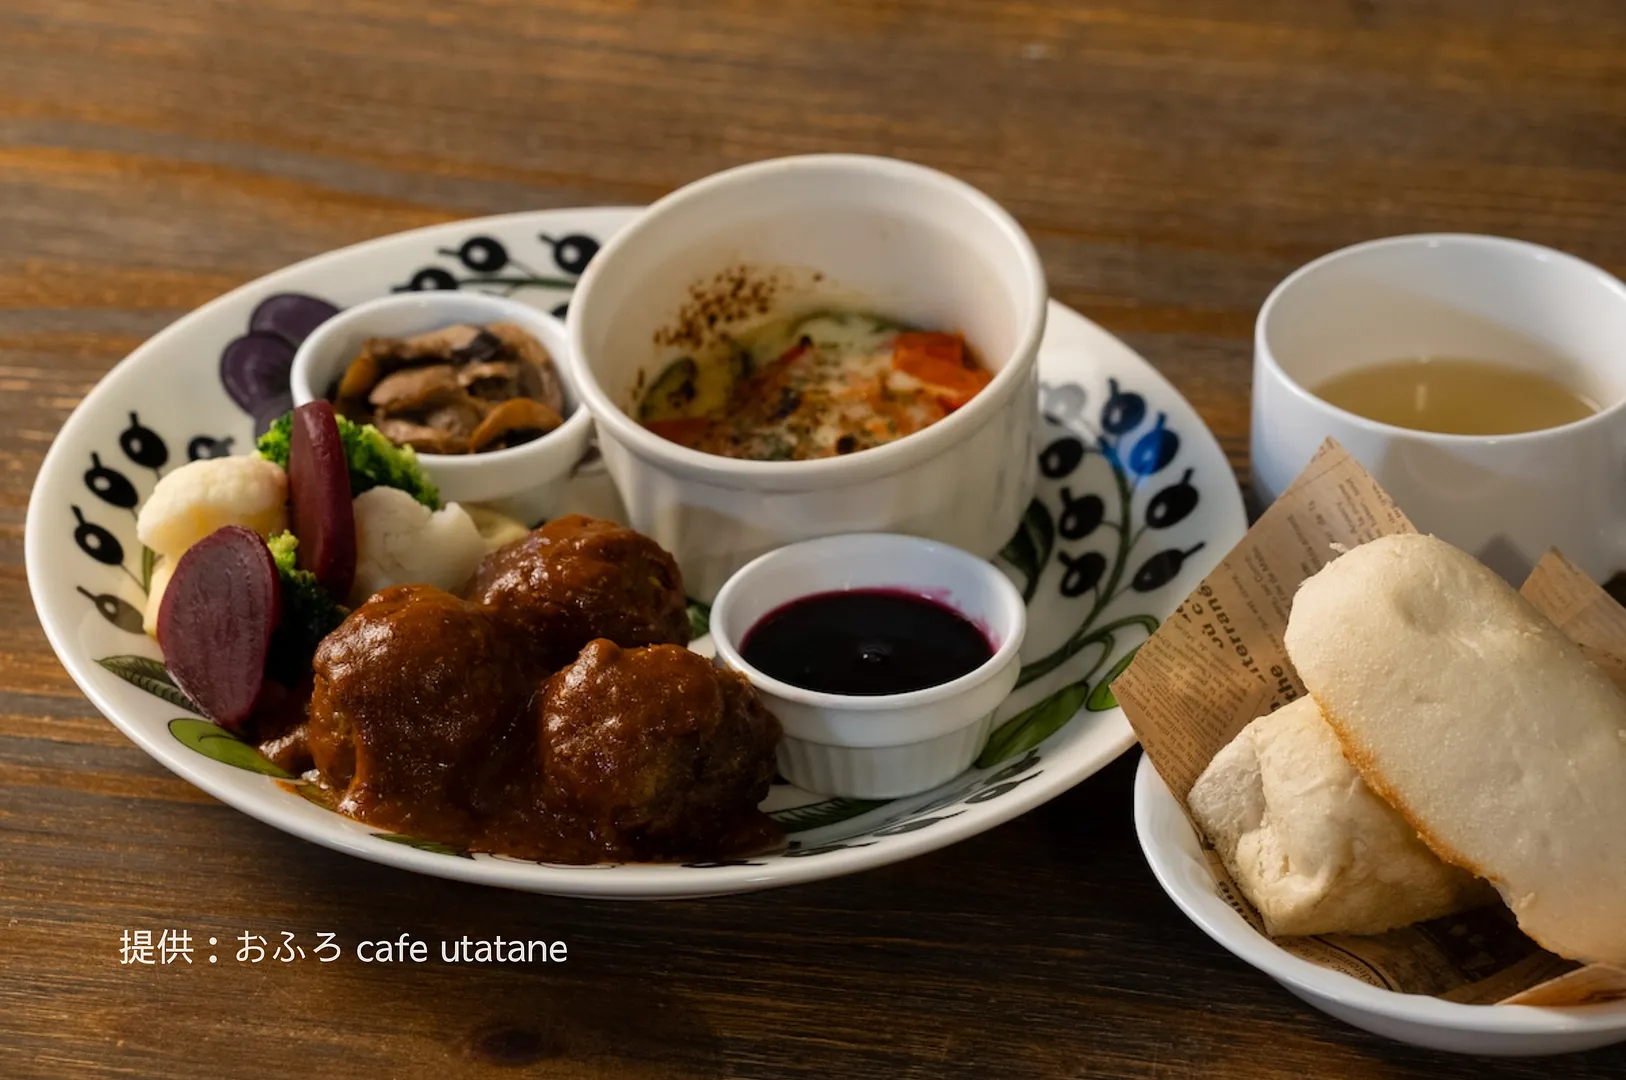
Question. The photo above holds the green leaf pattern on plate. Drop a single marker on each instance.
(819, 814)
(1029, 550)
(1101, 698)
(311, 793)
(1033, 725)
(434, 847)
(149, 559)
(150, 675)
(216, 743)
(699, 619)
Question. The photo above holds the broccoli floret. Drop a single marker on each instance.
(374, 461)
(284, 548)
(309, 614)
(273, 445)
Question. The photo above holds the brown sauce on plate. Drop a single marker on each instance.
(553, 714)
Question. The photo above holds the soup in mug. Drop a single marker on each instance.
(1456, 397)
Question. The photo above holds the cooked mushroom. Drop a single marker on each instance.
(461, 389)
(415, 389)
(361, 376)
(421, 437)
(434, 345)
(458, 416)
(494, 380)
(515, 421)
(483, 346)
(538, 377)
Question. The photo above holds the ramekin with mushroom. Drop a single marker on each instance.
(474, 383)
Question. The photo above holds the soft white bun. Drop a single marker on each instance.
(1307, 841)
(1485, 726)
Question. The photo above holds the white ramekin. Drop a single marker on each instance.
(890, 745)
(521, 481)
(839, 231)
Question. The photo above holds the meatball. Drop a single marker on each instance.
(282, 724)
(658, 752)
(580, 578)
(419, 712)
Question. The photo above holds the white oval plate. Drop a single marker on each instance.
(1136, 503)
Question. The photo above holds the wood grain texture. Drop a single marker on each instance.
(1173, 159)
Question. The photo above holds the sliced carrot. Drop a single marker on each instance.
(940, 361)
(685, 431)
(946, 347)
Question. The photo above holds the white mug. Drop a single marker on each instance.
(1506, 499)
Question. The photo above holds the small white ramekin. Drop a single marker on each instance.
(522, 481)
(884, 746)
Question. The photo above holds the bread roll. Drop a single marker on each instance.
(1482, 724)
(1307, 841)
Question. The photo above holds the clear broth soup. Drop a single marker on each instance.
(1453, 396)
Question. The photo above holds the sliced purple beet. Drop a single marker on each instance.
(319, 505)
(254, 369)
(216, 620)
(290, 316)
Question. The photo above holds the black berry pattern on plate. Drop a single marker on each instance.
(484, 263)
(1172, 505)
(146, 448)
(142, 445)
(1081, 516)
(571, 253)
(429, 279)
(115, 609)
(110, 485)
(96, 541)
(1136, 453)
(1161, 568)
(203, 446)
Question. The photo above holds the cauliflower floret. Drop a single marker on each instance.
(205, 495)
(496, 528)
(400, 541)
(162, 570)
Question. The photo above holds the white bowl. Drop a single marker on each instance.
(890, 745)
(522, 481)
(1176, 857)
(896, 238)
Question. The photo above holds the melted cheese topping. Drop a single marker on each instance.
(812, 387)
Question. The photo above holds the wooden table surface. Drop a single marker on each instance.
(1172, 159)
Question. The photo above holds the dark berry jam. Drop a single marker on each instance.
(865, 642)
